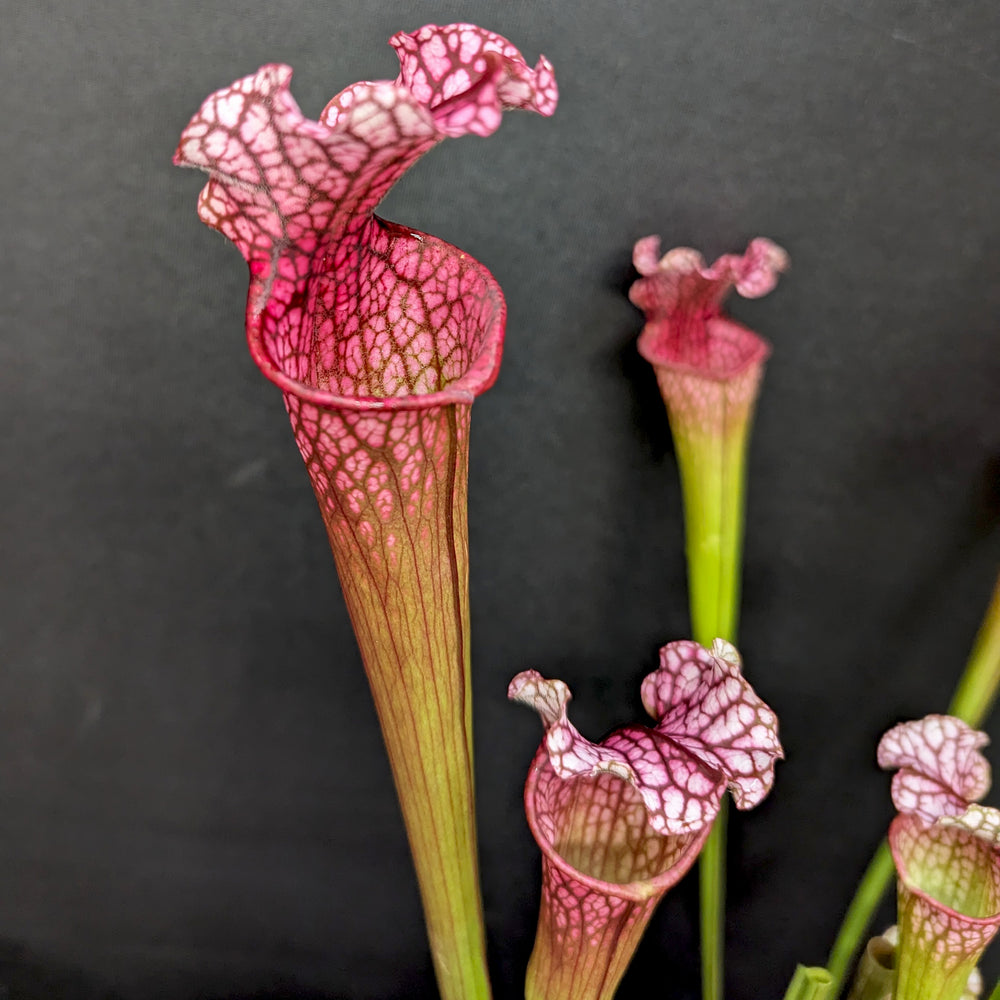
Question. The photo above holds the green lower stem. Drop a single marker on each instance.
(712, 891)
(974, 697)
(712, 468)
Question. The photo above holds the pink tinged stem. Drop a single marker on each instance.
(380, 339)
(392, 490)
(948, 899)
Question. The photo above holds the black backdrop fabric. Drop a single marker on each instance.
(194, 801)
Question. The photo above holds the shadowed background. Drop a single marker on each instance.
(194, 801)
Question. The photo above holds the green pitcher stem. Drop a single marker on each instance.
(712, 463)
(712, 914)
(974, 696)
(712, 468)
(977, 690)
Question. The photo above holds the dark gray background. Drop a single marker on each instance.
(193, 796)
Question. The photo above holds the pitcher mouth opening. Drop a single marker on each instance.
(724, 350)
(912, 840)
(628, 858)
(392, 320)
